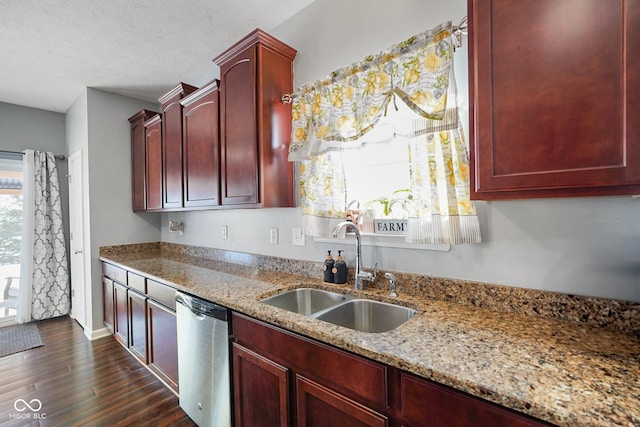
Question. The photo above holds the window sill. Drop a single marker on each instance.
(386, 241)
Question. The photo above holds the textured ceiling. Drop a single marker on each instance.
(51, 49)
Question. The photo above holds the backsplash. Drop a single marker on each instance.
(602, 312)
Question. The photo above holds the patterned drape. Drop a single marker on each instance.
(47, 275)
(348, 110)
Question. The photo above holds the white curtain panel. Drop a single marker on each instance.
(44, 288)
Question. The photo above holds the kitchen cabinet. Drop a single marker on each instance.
(163, 347)
(108, 307)
(555, 89)
(153, 163)
(261, 390)
(427, 404)
(201, 147)
(321, 406)
(138, 159)
(137, 306)
(121, 314)
(346, 389)
(110, 275)
(172, 145)
(255, 126)
(143, 315)
(318, 385)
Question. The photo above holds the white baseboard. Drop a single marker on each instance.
(95, 334)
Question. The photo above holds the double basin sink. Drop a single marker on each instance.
(360, 314)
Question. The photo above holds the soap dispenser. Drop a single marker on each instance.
(340, 270)
(328, 268)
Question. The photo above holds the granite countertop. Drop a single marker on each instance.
(566, 373)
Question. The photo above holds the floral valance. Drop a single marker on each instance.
(350, 102)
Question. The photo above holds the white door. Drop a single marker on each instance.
(76, 225)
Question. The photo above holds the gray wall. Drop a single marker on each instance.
(30, 128)
(97, 124)
(587, 246)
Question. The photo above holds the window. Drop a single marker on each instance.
(351, 144)
(10, 232)
(377, 174)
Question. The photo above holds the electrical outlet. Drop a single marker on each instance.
(297, 237)
(225, 232)
(273, 235)
(175, 226)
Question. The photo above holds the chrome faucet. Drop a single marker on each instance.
(360, 273)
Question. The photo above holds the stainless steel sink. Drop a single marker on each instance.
(367, 316)
(305, 300)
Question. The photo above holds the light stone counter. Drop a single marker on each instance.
(563, 372)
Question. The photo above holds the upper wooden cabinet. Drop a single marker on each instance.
(172, 145)
(153, 162)
(255, 125)
(138, 158)
(201, 147)
(224, 145)
(555, 90)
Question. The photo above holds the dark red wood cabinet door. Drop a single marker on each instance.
(239, 135)
(163, 347)
(137, 309)
(153, 141)
(172, 155)
(555, 93)
(427, 404)
(121, 315)
(107, 298)
(201, 147)
(319, 406)
(138, 156)
(261, 390)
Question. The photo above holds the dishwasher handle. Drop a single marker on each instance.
(200, 307)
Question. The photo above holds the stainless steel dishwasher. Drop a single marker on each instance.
(203, 361)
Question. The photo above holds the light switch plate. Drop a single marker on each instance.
(273, 235)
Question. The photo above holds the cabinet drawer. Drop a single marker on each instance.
(346, 373)
(165, 295)
(114, 273)
(136, 282)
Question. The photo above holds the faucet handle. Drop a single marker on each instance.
(392, 284)
(375, 271)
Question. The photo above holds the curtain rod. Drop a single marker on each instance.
(57, 156)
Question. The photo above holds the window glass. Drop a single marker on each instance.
(377, 173)
(10, 233)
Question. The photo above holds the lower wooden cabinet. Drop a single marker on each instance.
(137, 306)
(142, 317)
(261, 390)
(121, 315)
(320, 406)
(427, 404)
(282, 379)
(163, 345)
(107, 307)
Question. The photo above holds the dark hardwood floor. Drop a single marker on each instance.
(83, 383)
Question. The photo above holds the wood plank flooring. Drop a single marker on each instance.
(82, 383)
